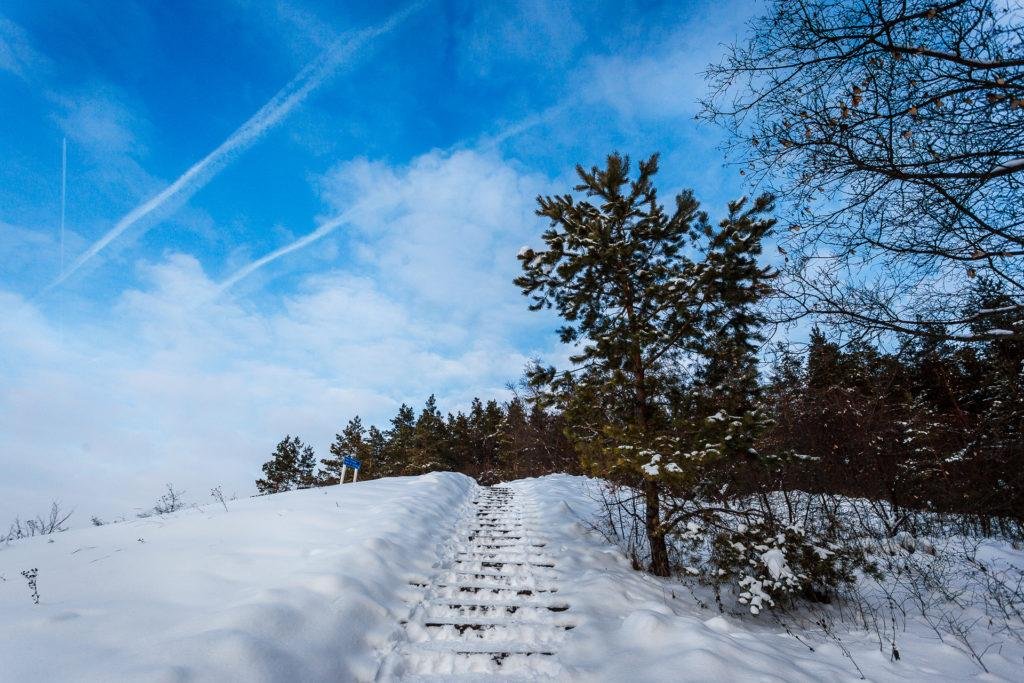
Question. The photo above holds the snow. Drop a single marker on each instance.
(651, 468)
(775, 560)
(635, 627)
(306, 585)
(340, 584)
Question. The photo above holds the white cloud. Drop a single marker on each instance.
(666, 86)
(445, 226)
(178, 382)
(538, 32)
(355, 191)
(99, 121)
(662, 79)
(16, 52)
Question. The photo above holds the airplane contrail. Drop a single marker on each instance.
(486, 142)
(271, 113)
(489, 142)
(247, 270)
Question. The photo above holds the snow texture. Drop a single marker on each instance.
(299, 586)
(374, 582)
(638, 628)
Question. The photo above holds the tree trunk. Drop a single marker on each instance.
(652, 497)
(655, 534)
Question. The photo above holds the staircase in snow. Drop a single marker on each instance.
(494, 613)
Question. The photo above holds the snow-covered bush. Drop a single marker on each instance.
(771, 564)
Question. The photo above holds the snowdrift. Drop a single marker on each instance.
(298, 586)
(327, 585)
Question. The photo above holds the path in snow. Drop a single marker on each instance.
(314, 586)
(495, 610)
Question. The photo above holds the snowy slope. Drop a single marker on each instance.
(300, 586)
(634, 627)
(417, 578)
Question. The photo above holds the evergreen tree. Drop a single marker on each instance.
(488, 430)
(551, 450)
(784, 397)
(516, 445)
(429, 451)
(290, 466)
(997, 447)
(351, 442)
(460, 439)
(400, 441)
(376, 449)
(617, 273)
(305, 466)
(481, 435)
(735, 286)
(725, 417)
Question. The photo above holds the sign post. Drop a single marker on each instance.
(349, 461)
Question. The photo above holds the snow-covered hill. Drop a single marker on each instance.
(417, 578)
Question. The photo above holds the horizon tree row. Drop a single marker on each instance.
(492, 442)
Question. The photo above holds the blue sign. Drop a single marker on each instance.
(351, 462)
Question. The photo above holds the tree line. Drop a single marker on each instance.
(930, 425)
(492, 442)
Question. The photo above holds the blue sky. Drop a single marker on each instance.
(172, 349)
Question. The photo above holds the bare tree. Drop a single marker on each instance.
(896, 129)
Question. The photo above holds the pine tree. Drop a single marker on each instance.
(784, 397)
(351, 442)
(290, 466)
(376, 449)
(726, 417)
(635, 306)
(429, 451)
(460, 442)
(488, 429)
(397, 453)
(305, 466)
(615, 271)
(482, 440)
(516, 447)
(551, 450)
(998, 443)
(823, 361)
(735, 286)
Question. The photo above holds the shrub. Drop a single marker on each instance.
(771, 564)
